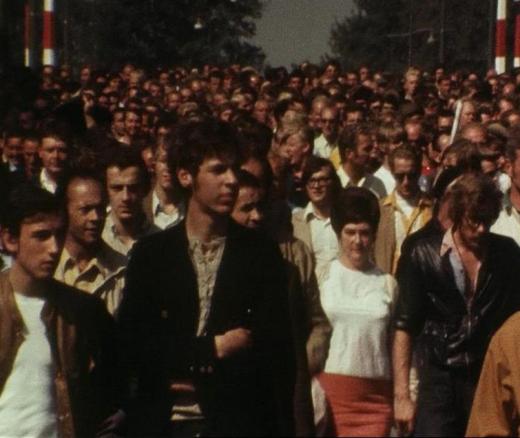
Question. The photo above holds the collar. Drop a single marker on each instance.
(144, 228)
(448, 244)
(391, 200)
(47, 182)
(506, 202)
(308, 214)
(156, 206)
(67, 262)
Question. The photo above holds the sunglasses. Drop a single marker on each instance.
(412, 176)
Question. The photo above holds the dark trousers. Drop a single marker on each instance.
(188, 429)
(444, 401)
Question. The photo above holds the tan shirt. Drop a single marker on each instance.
(104, 275)
(495, 410)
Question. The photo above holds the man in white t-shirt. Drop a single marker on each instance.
(56, 343)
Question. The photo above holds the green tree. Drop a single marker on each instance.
(165, 32)
(363, 37)
(378, 34)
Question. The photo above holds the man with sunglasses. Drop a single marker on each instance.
(404, 211)
(456, 289)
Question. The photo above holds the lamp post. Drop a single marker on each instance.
(442, 31)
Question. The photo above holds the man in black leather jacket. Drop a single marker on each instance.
(456, 289)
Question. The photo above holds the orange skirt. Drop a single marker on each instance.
(360, 407)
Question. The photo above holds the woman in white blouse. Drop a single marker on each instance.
(358, 299)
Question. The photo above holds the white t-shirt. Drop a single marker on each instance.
(27, 402)
(359, 306)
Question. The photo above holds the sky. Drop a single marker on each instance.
(292, 31)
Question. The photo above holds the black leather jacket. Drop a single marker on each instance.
(455, 331)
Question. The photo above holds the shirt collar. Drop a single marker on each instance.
(506, 202)
(448, 243)
(67, 262)
(308, 214)
(391, 199)
(46, 182)
(156, 204)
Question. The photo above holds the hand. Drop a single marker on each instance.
(185, 386)
(404, 415)
(232, 342)
(113, 425)
(183, 392)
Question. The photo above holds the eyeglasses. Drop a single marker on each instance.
(412, 176)
(316, 182)
(477, 222)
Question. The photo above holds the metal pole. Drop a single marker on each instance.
(66, 32)
(410, 26)
(442, 32)
(491, 34)
(4, 40)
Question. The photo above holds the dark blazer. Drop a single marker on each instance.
(249, 394)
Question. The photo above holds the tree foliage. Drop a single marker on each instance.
(165, 32)
(377, 34)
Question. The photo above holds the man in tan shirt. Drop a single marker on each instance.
(495, 410)
(87, 262)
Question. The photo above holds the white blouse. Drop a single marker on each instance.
(359, 306)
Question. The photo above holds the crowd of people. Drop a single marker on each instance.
(223, 251)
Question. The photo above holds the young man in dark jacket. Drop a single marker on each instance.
(204, 321)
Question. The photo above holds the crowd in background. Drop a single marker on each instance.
(339, 168)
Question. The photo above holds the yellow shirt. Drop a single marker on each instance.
(104, 275)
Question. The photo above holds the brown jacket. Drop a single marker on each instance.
(386, 252)
(496, 406)
(311, 329)
(80, 333)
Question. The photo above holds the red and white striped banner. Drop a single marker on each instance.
(501, 37)
(49, 51)
(516, 61)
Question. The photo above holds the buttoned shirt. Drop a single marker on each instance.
(113, 239)
(508, 222)
(324, 240)
(46, 182)
(370, 182)
(164, 220)
(449, 248)
(206, 258)
(104, 275)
